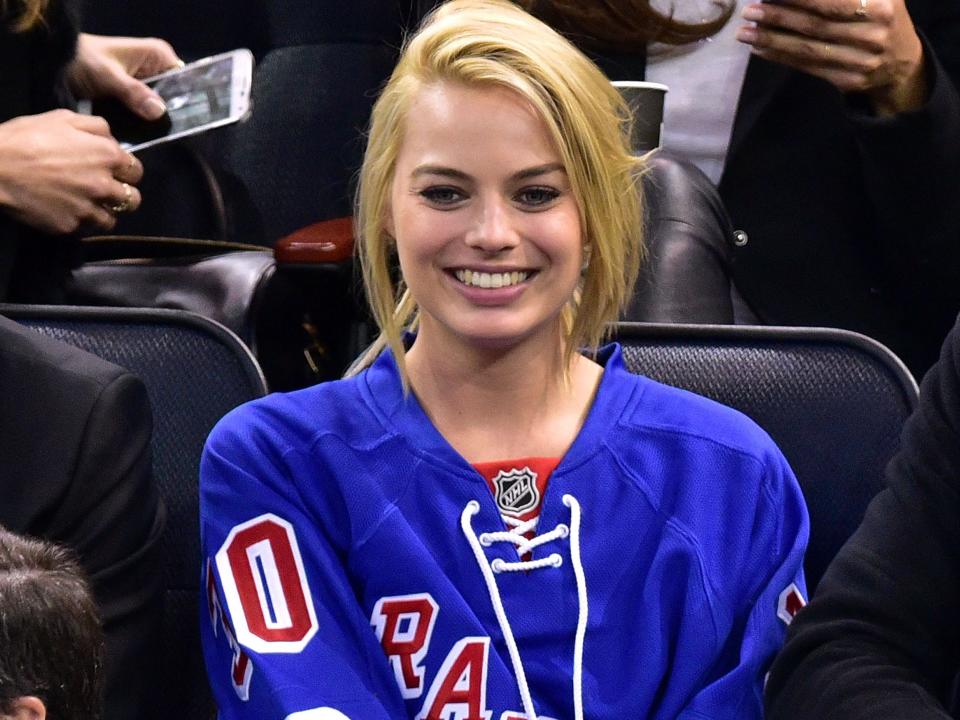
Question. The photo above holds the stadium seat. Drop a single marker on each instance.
(195, 371)
(833, 400)
(292, 163)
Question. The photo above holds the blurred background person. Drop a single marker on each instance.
(51, 643)
(61, 172)
(833, 130)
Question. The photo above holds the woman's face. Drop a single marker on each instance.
(486, 226)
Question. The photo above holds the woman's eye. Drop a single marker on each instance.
(537, 196)
(442, 195)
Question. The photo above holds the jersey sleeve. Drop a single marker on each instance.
(772, 581)
(283, 633)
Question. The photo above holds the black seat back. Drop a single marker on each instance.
(833, 400)
(292, 163)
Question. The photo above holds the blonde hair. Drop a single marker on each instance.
(30, 13)
(495, 43)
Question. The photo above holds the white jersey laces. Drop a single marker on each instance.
(515, 536)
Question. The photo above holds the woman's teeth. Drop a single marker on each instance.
(490, 280)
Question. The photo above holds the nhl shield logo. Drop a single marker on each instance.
(516, 491)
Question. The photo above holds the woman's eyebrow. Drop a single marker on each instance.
(544, 169)
(441, 170)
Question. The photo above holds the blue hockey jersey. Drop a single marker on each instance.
(357, 566)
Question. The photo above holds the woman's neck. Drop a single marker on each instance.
(496, 404)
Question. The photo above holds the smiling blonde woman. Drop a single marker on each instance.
(494, 518)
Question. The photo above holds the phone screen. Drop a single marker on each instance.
(200, 96)
(196, 96)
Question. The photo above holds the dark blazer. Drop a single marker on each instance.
(75, 468)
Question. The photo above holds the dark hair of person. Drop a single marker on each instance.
(51, 641)
(623, 25)
(22, 15)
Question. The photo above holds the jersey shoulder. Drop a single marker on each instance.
(694, 419)
(297, 419)
(684, 450)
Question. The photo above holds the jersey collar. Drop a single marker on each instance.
(402, 415)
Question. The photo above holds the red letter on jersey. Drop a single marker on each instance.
(789, 603)
(404, 624)
(241, 669)
(460, 686)
(264, 583)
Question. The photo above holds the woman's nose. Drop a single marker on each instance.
(493, 230)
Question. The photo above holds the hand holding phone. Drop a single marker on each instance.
(205, 94)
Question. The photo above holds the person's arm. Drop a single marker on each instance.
(111, 515)
(283, 633)
(769, 593)
(882, 636)
(911, 170)
(61, 171)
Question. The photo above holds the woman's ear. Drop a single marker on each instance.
(388, 225)
(26, 707)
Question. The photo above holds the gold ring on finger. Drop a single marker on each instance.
(861, 12)
(125, 205)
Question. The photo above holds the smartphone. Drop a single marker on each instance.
(205, 94)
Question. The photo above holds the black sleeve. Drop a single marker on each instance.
(112, 516)
(939, 22)
(881, 639)
(912, 173)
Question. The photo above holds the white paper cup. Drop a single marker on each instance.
(645, 100)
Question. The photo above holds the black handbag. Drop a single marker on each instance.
(301, 320)
(224, 281)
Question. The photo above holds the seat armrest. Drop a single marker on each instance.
(327, 241)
